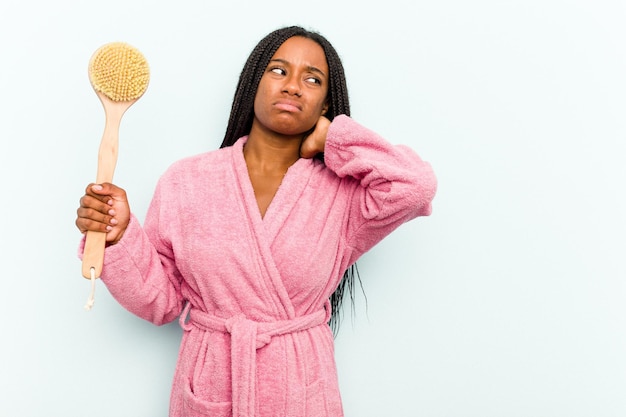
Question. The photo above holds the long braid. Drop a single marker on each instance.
(242, 115)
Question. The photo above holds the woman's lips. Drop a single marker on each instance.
(288, 105)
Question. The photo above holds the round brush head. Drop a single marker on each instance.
(119, 71)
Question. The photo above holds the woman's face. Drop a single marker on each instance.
(292, 92)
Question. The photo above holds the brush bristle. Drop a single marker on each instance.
(119, 71)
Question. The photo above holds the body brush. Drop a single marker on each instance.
(119, 74)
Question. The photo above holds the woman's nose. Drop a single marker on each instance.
(293, 87)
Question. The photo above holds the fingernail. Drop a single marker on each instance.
(109, 228)
(111, 212)
(113, 221)
(110, 202)
(97, 187)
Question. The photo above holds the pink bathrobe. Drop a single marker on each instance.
(252, 293)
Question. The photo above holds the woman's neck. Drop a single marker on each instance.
(271, 154)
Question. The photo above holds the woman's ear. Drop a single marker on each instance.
(325, 108)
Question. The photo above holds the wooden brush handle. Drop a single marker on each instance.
(93, 255)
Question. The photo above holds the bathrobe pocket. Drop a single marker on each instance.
(316, 399)
(323, 400)
(197, 407)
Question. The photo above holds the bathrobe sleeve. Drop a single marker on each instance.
(389, 184)
(140, 271)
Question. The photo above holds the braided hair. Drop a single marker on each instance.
(242, 115)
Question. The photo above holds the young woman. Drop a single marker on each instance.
(247, 244)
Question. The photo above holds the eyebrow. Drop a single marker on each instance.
(309, 68)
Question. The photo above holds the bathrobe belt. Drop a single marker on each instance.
(246, 337)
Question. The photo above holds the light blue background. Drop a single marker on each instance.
(508, 301)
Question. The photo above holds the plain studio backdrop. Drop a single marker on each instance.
(510, 300)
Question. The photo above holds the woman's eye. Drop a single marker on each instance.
(314, 80)
(279, 71)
